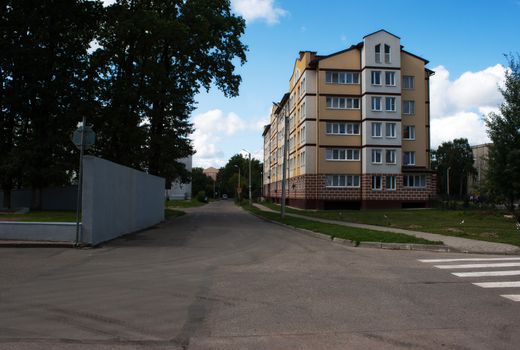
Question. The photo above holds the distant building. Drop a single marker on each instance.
(211, 172)
(480, 162)
(179, 190)
(358, 129)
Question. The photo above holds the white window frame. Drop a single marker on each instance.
(411, 132)
(393, 157)
(410, 157)
(342, 128)
(388, 56)
(375, 77)
(375, 127)
(303, 114)
(303, 135)
(390, 183)
(333, 102)
(393, 129)
(391, 75)
(414, 181)
(406, 79)
(342, 154)
(377, 156)
(342, 181)
(376, 102)
(409, 107)
(390, 104)
(377, 183)
(341, 78)
(377, 53)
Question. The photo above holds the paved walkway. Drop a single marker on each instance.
(458, 243)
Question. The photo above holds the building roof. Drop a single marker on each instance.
(381, 30)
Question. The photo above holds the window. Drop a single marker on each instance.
(342, 180)
(387, 53)
(408, 82)
(376, 77)
(376, 103)
(302, 161)
(390, 104)
(378, 53)
(376, 156)
(409, 158)
(409, 132)
(390, 78)
(342, 103)
(414, 180)
(303, 135)
(376, 130)
(342, 154)
(342, 128)
(390, 156)
(390, 183)
(408, 107)
(342, 77)
(376, 183)
(390, 130)
(303, 111)
(302, 87)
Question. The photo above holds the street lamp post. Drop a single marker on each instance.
(284, 164)
(250, 199)
(238, 188)
(448, 181)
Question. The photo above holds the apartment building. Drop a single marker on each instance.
(358, 131)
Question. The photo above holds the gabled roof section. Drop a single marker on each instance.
(352, 47)
(382, 30)
(282, 103)
(413, 55)
(266, 129)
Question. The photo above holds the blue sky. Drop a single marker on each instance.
(463, 40)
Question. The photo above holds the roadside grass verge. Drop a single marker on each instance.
(170, 213)
(189, 203)
(351, 233)
(479, 224)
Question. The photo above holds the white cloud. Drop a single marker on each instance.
(253, 10)
(458, 106)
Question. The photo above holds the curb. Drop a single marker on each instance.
(35, 244)
(377, 245)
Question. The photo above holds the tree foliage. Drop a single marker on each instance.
(456, 156)
(200, 182)
(43, 64)
(137, 88)
(504, 131)
(227, 177)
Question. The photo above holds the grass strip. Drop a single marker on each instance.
(170, 213)
(480, 224)
(189, 203)
(351, 233)
(41, 216)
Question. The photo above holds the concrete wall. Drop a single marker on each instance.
(38, 231)
(57, 198)
(118, 200)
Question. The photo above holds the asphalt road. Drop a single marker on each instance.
(219, 278)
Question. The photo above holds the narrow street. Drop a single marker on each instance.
(220, 278)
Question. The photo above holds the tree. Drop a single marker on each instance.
(154, 58)
(43, 62)
(504, 131)
(227, 177)
(201, 182)
(456, 156)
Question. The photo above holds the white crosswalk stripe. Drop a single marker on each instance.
(497, 264)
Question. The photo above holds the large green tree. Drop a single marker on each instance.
(227, 177)
(456, 156)
(504, 131)
(201, 182)
(43, 64)
(154, 58)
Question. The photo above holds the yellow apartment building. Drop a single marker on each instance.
(358, 130)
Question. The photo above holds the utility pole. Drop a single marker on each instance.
(284, 163)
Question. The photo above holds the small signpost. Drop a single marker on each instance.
(84, 138)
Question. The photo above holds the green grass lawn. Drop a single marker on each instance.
(350, 233)
(486, 225)
(172, 213)
(191, 203)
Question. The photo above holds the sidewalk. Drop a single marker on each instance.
(461, 244)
